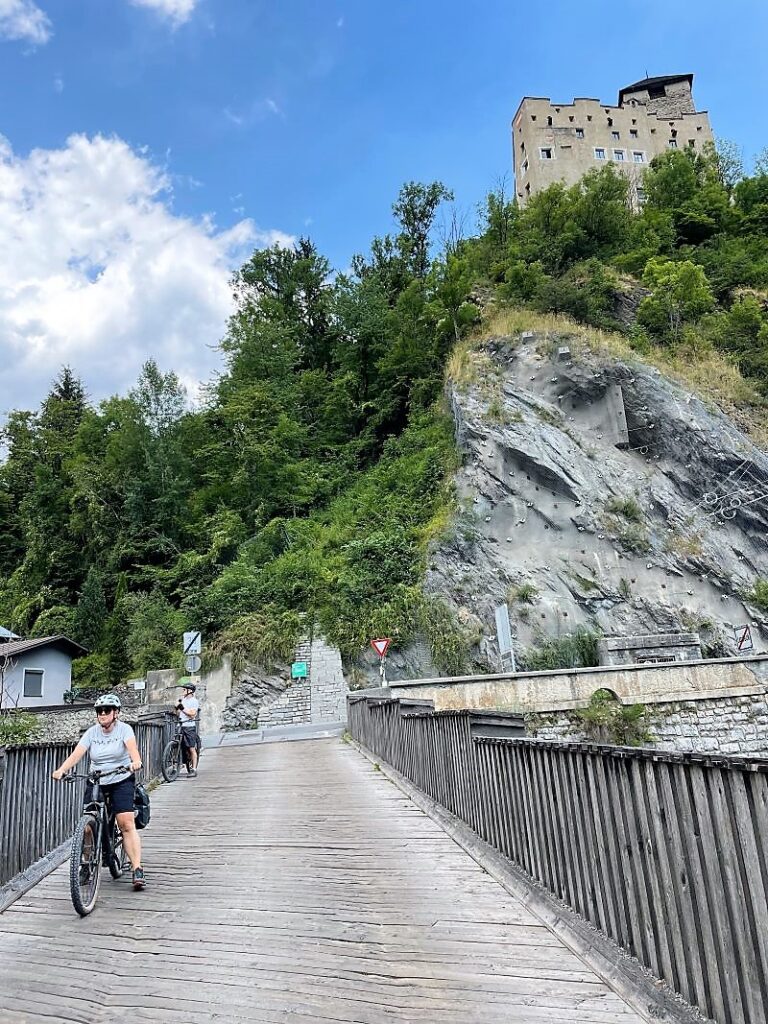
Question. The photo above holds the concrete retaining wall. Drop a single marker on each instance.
(572, 688)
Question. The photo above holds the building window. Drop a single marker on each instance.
(653, 131)
(633, 133)
(698, 127)
(610, 121)
(570, 118)
(692, 143)
(640, 193)
(528, 189)
(522, 147)
(672, 143)
(33, 682)
(524, 168)
(599, 153)
(579, 133)
(656, 92)
(589, 117)
(533, 117)
(634, 119)
(615, 136)
(638, 156)
(549, 121)
(545, 153)
(618, 154)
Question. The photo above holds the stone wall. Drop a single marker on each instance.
(572, 688)
(722, 725)
(68, 726)
(321, 697)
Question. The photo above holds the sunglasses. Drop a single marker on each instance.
(104, 711)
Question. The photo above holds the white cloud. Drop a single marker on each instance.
(23, 19)
(97, 271)
(58, 84)
(177, 11)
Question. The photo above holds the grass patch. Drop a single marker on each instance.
(574, 650)
(759, 595)
(629, 508)
(526, 593)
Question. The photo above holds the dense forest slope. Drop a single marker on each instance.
(316, 481)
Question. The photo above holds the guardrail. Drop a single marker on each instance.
(667, 854)
(37, 814)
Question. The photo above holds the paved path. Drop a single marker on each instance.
(291, 882)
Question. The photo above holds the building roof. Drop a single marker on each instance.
(647, 83)
(16, 647)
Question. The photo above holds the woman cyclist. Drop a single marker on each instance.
(112, 744)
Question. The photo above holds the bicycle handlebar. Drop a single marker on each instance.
(95, 775)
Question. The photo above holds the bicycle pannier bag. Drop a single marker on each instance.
(141, 807)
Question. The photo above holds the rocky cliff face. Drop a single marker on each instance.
(599, 494)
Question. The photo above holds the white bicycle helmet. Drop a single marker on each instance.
(109, 700)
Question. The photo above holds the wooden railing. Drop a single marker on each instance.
(667, 854)
(37, 814)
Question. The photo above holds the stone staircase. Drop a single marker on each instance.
(321, 697)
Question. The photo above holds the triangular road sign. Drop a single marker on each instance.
(381, 646)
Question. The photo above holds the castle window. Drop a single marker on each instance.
(557, 110)
(579, 133)
(589, 117)
(656, 92)
(619, 155)
(615, 136)
(524, 168)
(698, 127)
(528, 189)
(653, 131)
(610, 121)
(672, 143)
(692, 143)
(599, 153)
(533, 117)
(545, 153)
(570, 118)
(634, 119)
(522, 147)
(638, 156)
(633, 133)
(549, 121)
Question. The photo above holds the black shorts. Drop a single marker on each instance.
(121, 794)
(189, 736)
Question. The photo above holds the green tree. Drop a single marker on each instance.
(91, 612)
(680, 293)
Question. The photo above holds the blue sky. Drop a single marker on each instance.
(150, 144)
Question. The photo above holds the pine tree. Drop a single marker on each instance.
(115, 634)
(91, 612)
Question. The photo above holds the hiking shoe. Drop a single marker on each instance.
(138, 879)
(192, 773)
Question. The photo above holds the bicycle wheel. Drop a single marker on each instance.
(171, 762)
(85, 865)
(118, 859)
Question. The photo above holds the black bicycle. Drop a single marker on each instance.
(176, 754)
(97, 842)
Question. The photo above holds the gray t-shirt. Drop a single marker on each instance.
(107, 749)
(189, 704)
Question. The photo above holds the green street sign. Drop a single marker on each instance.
(299, 670)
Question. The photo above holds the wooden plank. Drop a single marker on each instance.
(293, 883)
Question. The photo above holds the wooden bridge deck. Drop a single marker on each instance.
(291, 882)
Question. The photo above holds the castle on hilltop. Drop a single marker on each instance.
(561, 142)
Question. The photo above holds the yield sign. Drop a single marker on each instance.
(381, 646)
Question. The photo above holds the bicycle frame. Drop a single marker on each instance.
(96, 843)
